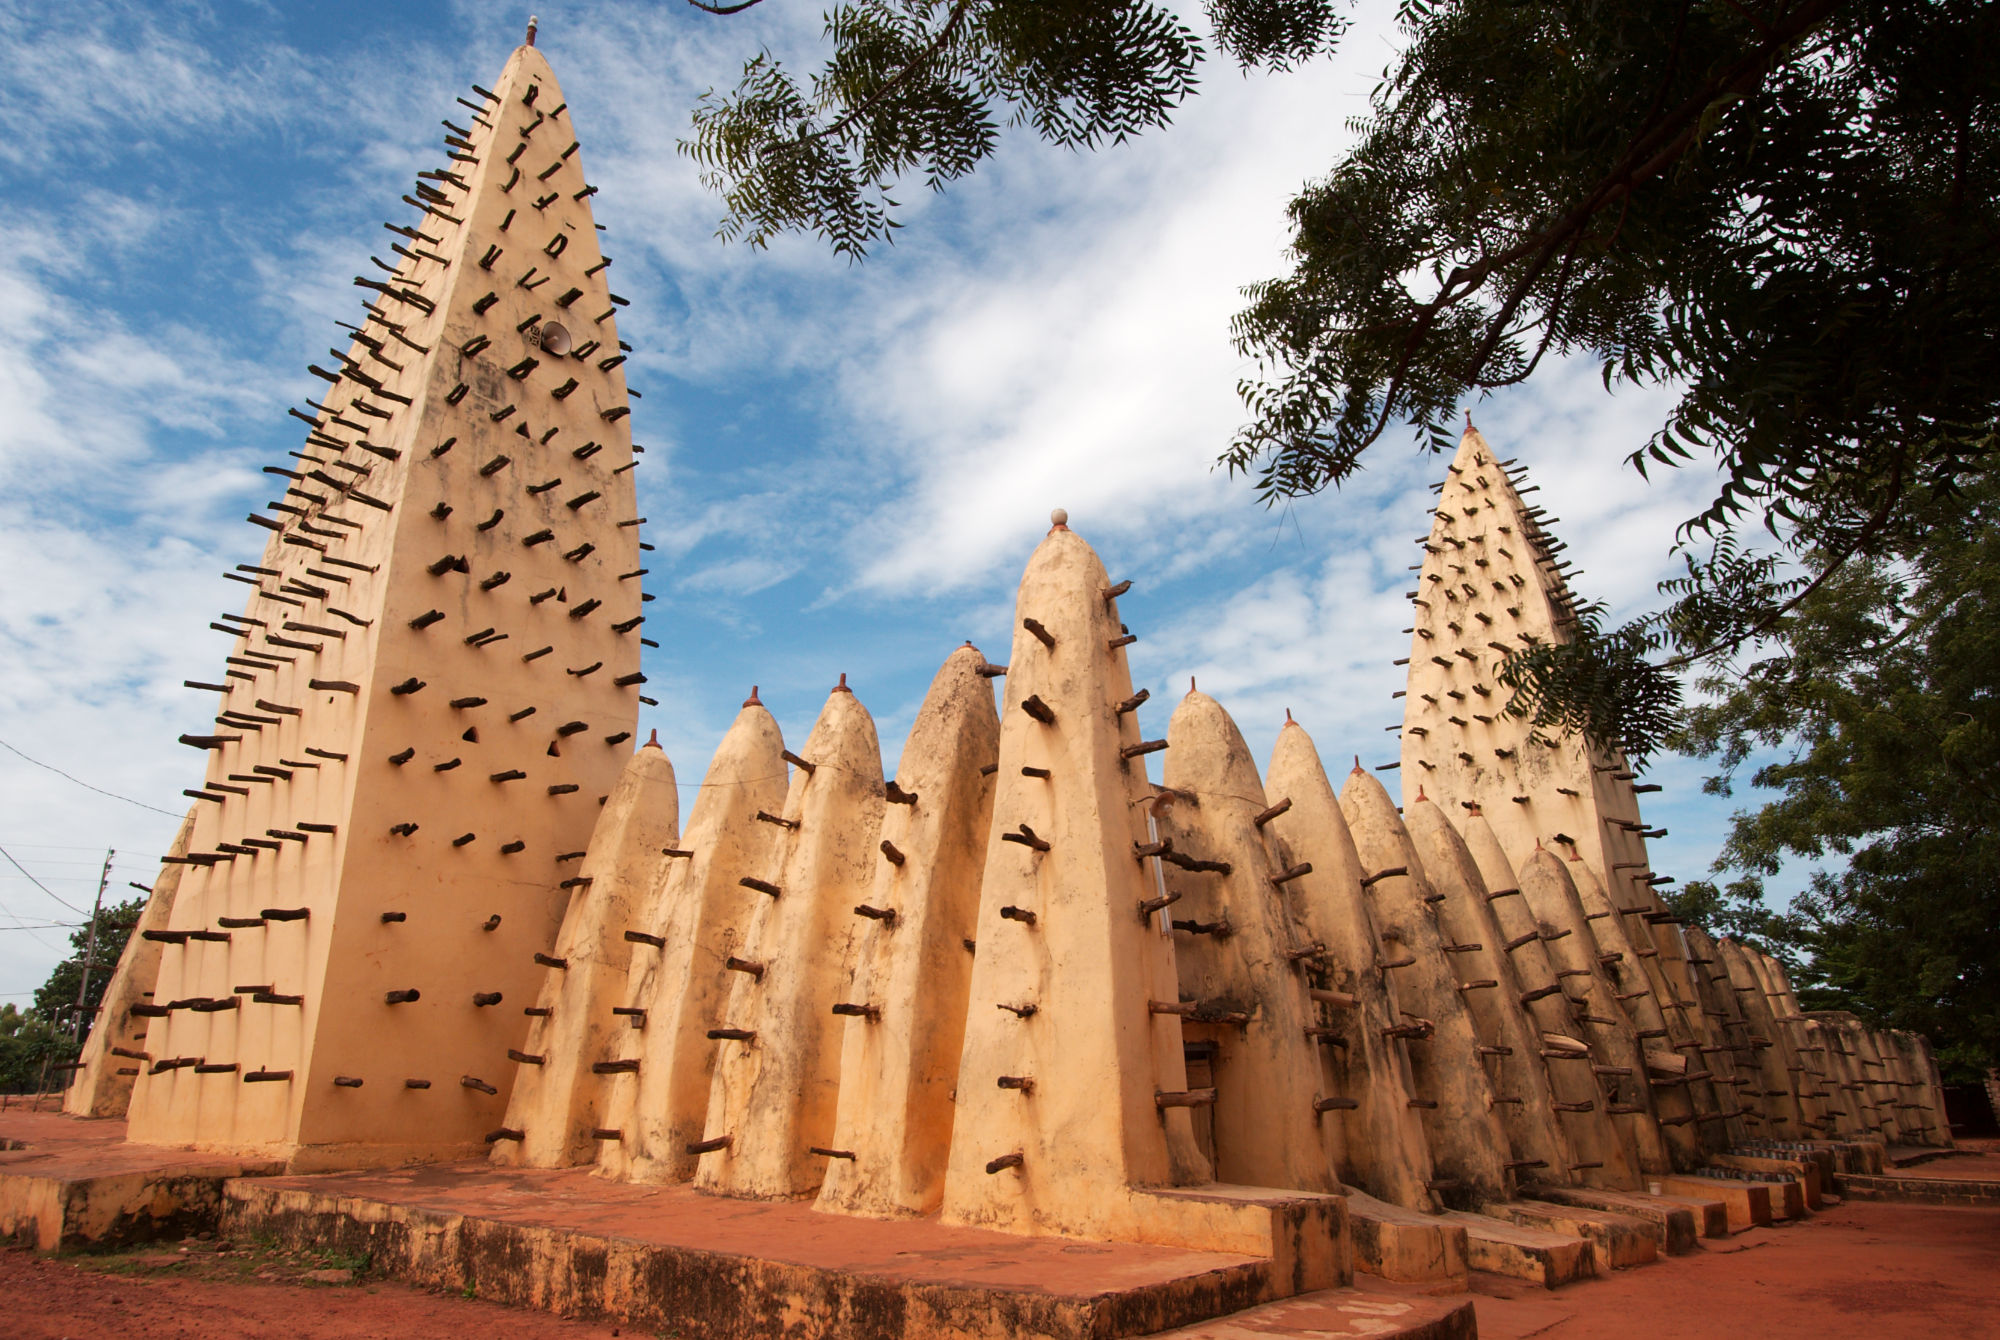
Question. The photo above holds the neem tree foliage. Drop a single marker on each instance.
(1783, 208)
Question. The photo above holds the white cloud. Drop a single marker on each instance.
(849, 464)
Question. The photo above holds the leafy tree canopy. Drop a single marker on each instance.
(1879, 711)
(30, 1048)
(1783, 208)
(55, 999)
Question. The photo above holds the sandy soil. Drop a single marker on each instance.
(202, 1290)
(1864, 1270)
(1860, 1271)
(1978, 1160)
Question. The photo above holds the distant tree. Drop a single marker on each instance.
(30, 1048)
(55, 999)
(1784, 209)
(1880, 711)
(1739, 911)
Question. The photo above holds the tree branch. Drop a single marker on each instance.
(889, 85)
(1867, 532)
(1652, 149)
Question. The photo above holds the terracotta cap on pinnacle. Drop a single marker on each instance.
(841, 687)
(753, 700)
(652, 740)
(1058, 520)
(533, 24)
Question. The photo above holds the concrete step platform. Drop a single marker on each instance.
(71, 1184)
(1910, 1156)
(652, 1256)
(1404, 1246)
(1540, 1257)
(1921, 1190)
(1805, 1172)
(1371, 1308)
(1618, 1241)
(1746, 1204)
(1859, 1156)
(1678, 1222)
(1788, 1197)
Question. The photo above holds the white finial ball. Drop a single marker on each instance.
(1059, 517)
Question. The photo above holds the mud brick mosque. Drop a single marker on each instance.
(431, 904)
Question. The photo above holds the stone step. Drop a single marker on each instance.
(650, 1257)
(1859, 1156)
(1748, 1204)
(69, 1184)
(1619, 1241)
(1678, 1222)
(1921, 1190)
(1788, 1198)
(1404, 1246)
(1540, 1257)
(1371, 1308)
(1803, 1171)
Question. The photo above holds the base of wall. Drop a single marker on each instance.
(73, 1184)
(1678, 1222)
(1920, 1190)
(570, 1243)
(1747, 1205)
(1617, 1241)
(1536, 1255)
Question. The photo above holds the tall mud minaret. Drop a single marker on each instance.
(1492, 581)
(1072, 1086)
(431, 689)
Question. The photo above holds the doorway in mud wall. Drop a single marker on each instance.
(1200, 1054)
(1968, 1107)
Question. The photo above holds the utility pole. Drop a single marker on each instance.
(90, 948)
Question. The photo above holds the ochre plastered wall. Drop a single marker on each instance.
(116, 1047)
(1244, 981)
(771, 1107)
(1493, 971)
(1066, 968)
(1471, 1157)
(559, 1093)
(696, 919)
(463, 500)
(913, 965)
(1382, 1148)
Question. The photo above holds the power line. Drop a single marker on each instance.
(50, 846)
(86, 785)
(38, 884)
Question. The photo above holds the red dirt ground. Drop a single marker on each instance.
(149, 1295)
(1859, 1271)
(1978, 1160)
(1863, 1271)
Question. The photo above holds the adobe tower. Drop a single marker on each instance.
(430, 691)
(1493, 581)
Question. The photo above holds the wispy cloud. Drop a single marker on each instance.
(848, 464)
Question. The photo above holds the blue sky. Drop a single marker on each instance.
(847, 467)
